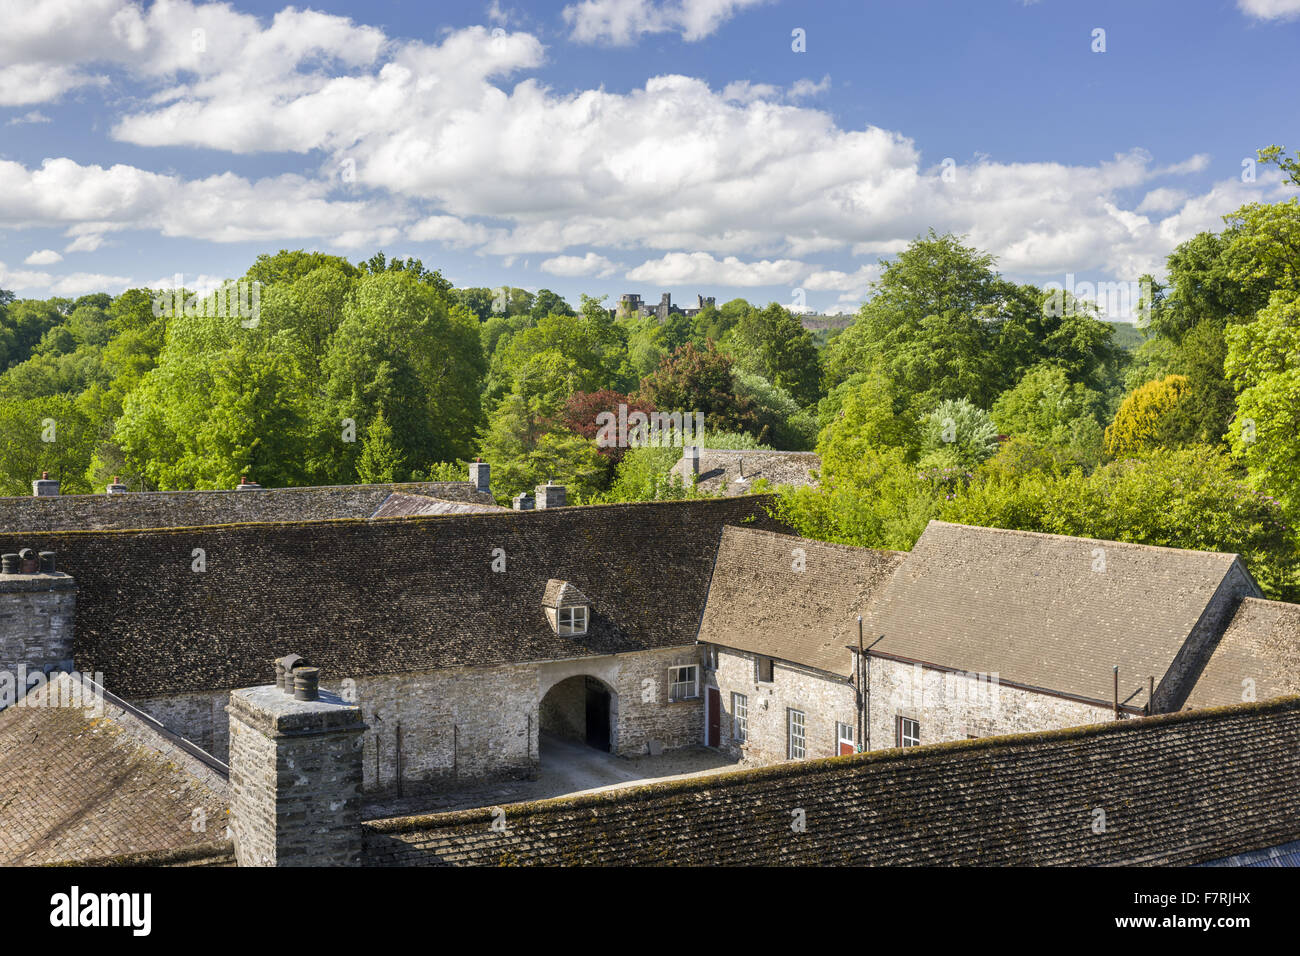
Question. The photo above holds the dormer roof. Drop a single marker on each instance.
(563, 594)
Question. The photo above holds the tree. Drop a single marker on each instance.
(286, 266)
(957, 435)
(1045, 406)
(403, 350)
(380, 461)
(699, 380)
(772, 343)
(1263, 363)
(1182, 498)
(1153, 416)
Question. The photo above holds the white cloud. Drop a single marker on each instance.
(590, 264)
(427, 142)
(621, 22)
(700, 268)
(1270, 9)
(74, 284)
(35, 116)
(833, 280)
(43, 257)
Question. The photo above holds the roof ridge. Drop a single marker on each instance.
(1074, 537)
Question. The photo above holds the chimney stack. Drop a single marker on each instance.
(523, 501)
(116, 488)
(550, 495)
(691, 455)
(45, 486)
(480, 474)
(295, 774)
(246, 485)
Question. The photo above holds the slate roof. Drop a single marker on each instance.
(1031, 608)
(734, 472)
(75, 787)
(758, 602)
(400, 504)
(366, 597)
(1176, 789)
(1261, 645)
(187, 509)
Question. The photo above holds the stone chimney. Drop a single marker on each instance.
(550, 495)
(246, 485)
(690, 460)
(480, 475)
(295, 774)
(116, 488)
(45, 486)
(522, 501)
(37, 616)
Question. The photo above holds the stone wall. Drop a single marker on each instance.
(189, 509)
(36, 627)
(823, 699)
(439, 729)
(953, 706)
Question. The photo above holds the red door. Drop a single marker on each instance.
(713, 718)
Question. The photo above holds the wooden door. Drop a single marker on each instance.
(713, 717)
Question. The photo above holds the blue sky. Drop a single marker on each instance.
(610, 146)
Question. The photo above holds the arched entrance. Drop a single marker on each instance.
(583, 709)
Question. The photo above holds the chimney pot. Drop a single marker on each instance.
(306, 683)
(246, 485)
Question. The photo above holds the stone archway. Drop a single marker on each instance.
(581, 708)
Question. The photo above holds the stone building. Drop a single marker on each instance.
(720, 471)
(452, 639)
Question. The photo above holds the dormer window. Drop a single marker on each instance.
(567, 608)
(572, 620)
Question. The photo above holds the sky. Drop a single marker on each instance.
(775, 150)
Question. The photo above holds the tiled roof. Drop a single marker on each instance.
(1257, 658)
(1174, 789)
(188, 509)
(734, 472)
(401, 505)
(378, 597)
(562, 594)
(1044, 610)
(78, 787)
(792, 598)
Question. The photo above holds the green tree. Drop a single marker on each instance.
(957, 435)
(1153, 416)
(381, 460)
(774, 344)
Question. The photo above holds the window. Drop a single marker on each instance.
(844, 739)
(909, 732)
(571, 620)
(739, 717)
(685, 682)
(766, 668)
(796, 734)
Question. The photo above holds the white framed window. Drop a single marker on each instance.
(909, 732)
(684, 682)
(765, 670)
(844, 738)
(571, 620)
(797, 739)
(739, 717)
